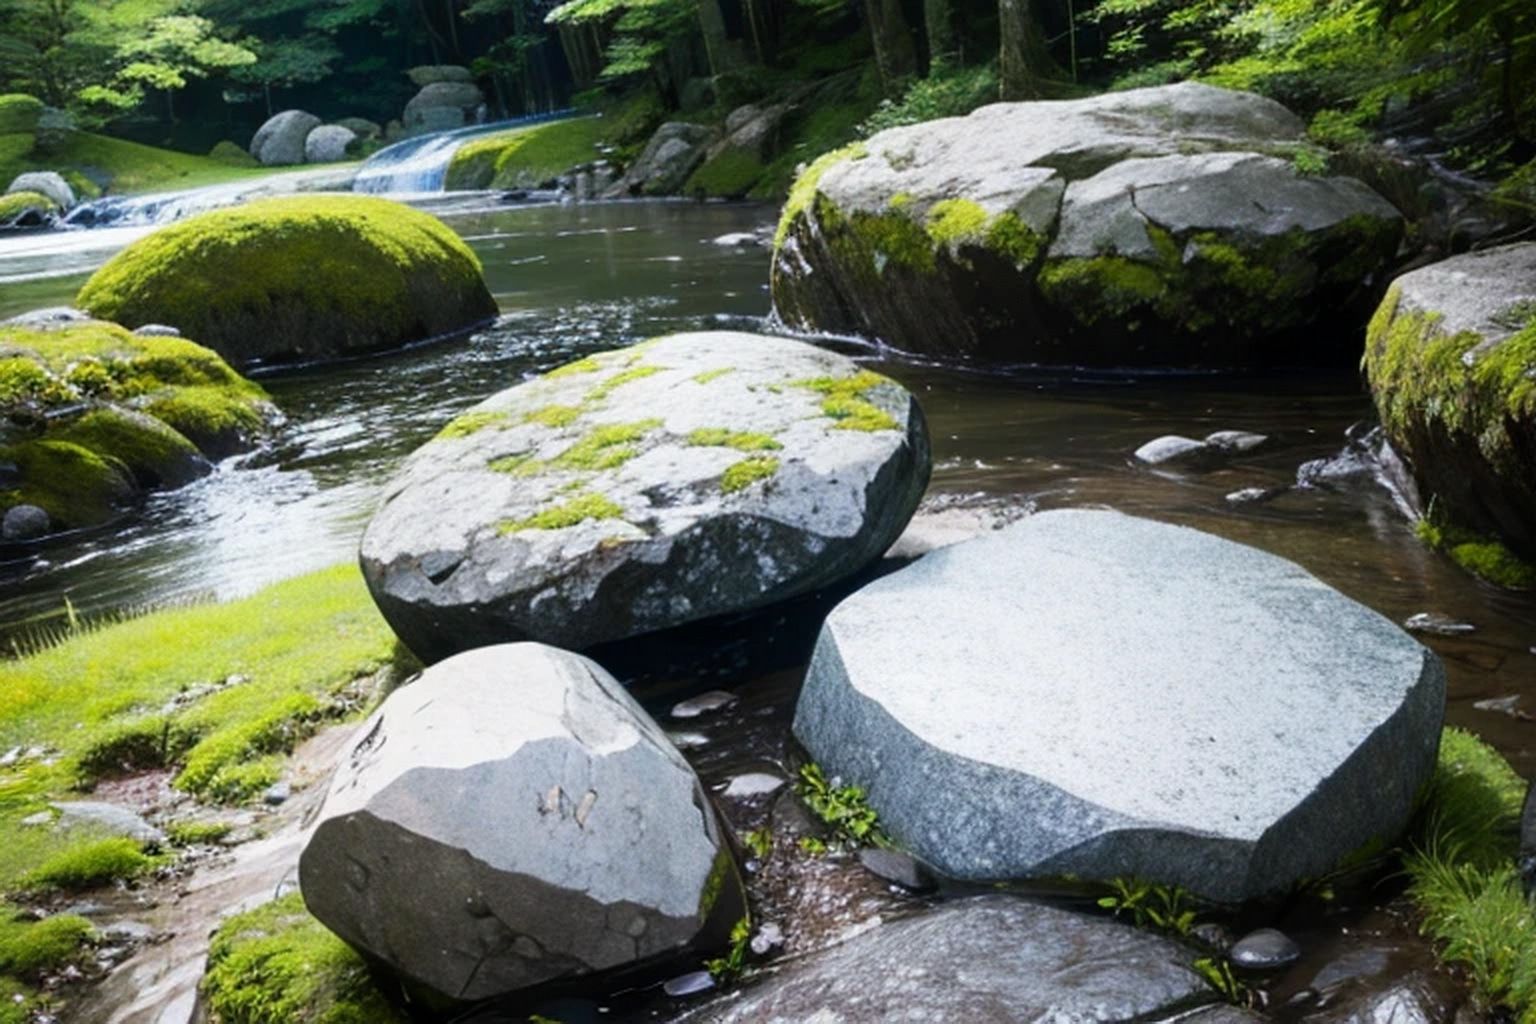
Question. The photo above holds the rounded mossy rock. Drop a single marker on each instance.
(691, 476)
(1451, 359)
(91, 415)
(297, 279)
(19, 113)
(525, 157)
(1154, 227)
(26, 210)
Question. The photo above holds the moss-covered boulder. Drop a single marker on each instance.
(1155, 227)
(297, 279)
(92, 415)
(691, 476)
(525, 157)
(1451, 357)
(26, 210)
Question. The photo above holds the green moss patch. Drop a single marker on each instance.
(712, 375)
(16, 204)
(153, 452)
(526, 157)
(471, 423)
(1484, 557)
(554, 416)
(747, 472)
(297, 278)
(618, 380)
(730, 175)
(741, 440)
(278, 965)
(30, 948)
(844, 401)
(74, 485)
(803, 194)
(85, 867)
(605, 447)
(577, 510)
(233, 155)
(19, 113)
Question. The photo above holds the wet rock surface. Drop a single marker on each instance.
(994, 958)
(694, 476)
(1261, 729)
(513, 817)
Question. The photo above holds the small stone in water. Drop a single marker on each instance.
(693, 707)
(1173, 449)
(896, 866)
(1235, 441)
(24, 522)
(1437, 624)
(769, 936)
(753, 784)
(690, 984)
(1267, 949)
(278, 794)
(688, 740)
(1249, 495)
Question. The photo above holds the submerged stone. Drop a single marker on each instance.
(511, 818)
(1094, 695)
(1266, 949)
(691, 476)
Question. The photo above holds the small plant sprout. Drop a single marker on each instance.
(729, 967)
(1164, 908)
(843, 808)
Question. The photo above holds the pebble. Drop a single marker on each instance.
(693, 707)
(24, 522)
(769, 937)
(688, 740)
(895, 866)
(737, 238)
(1236, 442)
(1250, 495)
(128, 931)
(277, 794)
(1172, 449)
(753, 784)
(1267, 949)
(1437, 624)
(690, 984)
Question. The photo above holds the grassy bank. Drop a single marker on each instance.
(215, 695)
(120, 167)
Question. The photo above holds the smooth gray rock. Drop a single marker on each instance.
(431, 74)
(1174, 450)
(1236, 442)
(328, 144)
(470, 547)
(24, 522)
(1085, 693)
(703, 704)
(280, 141)
(112, 818)
(514, 817)
(997, 959)
(48, 183)
(443, 104)
(1120, 229)
(672, 154)
(1266, 949)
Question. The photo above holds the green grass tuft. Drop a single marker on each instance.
(197, 833)
(741, 440)
(88, 866)
(605, 447)
(470, 423)
(747, 472)
(31, 948)
(618, 380)
(554, 416)
(570, 513)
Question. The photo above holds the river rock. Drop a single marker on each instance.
(48, 183)
(1090, 694)
(281, 139)
(692, 476)
(1451, 357)
(997, 959)
(24, 522)
(431, 74)
(1117, 230)
(667, 160)
(113, 819)
(328, 144)
(441, 106)
(1265, 949)
(511, 818)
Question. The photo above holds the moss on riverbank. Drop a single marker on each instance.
(526, 157)
(116, 166)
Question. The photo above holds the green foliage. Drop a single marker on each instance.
(843, 808)
(128, 167)
(1462, 873)
(278, 965)
(221, 765)
(304, 270)
(1483, 557)
(759, 841)
(1218, 973)
(197, 833)
(30, 948)
(952, 93)
(731, 175)
(14, 205)
(729, 967)
(90, 865)
(19, 113)
(1165, 908)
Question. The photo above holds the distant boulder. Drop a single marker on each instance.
(328, 144)
(442, 106)
(280, 141)
(48, 183)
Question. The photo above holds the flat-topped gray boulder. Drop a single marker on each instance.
(1451, 357)
(443, 105)
(691, 476)
(513, 817)
(997, 959)
(1089, 694)
(328, 144)
(280, 140)
(1162, 226)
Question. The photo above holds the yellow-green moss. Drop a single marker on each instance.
(605, 447)
(731, 175)
(227, 766)
(471, 423)
(844, 400)
(19, 113)
(210, 417)
(14, 204)
(29, 948)
(75, 486)
(747, 472)
(278, 965)
(569, 513)
(515, 465)
(955, 222)
(741, 440)
(1483, 557)
(1101, 287)
(712, 375)
(297, 277)
(91, 865)
(1011, 238)
(152, 451)
(197, 833)
(525, 157)
(588, 364)
(230, 153)
(554, 416)
(802, 195)
(618, 380)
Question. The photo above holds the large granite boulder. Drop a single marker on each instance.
(442, 106)
(328, 144)
(997, 959)
(1089, 694)
(691, 476)
(667, 160)
(1164, 226)
(513, 817)
(48, 183)
(1451, 357)
(281, 139)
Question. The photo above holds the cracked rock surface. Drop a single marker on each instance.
(1176, 225)
(513, 817)
(691, 476)
(1093, 695)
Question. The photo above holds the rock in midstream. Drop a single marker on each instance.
(1090, 694)
(514, 817)
(688, 477)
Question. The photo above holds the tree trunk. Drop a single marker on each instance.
(938, 19)
(1023, 62)
(894, 55)
(721, 52)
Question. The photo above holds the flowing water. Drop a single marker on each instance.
(420, 164)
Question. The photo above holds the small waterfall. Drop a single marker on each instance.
(164, 207)
(420, 164)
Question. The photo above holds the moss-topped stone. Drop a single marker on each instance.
(1451, 357)
(298, 279)
(690, 476)
(1154, 227)
(91, 415)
